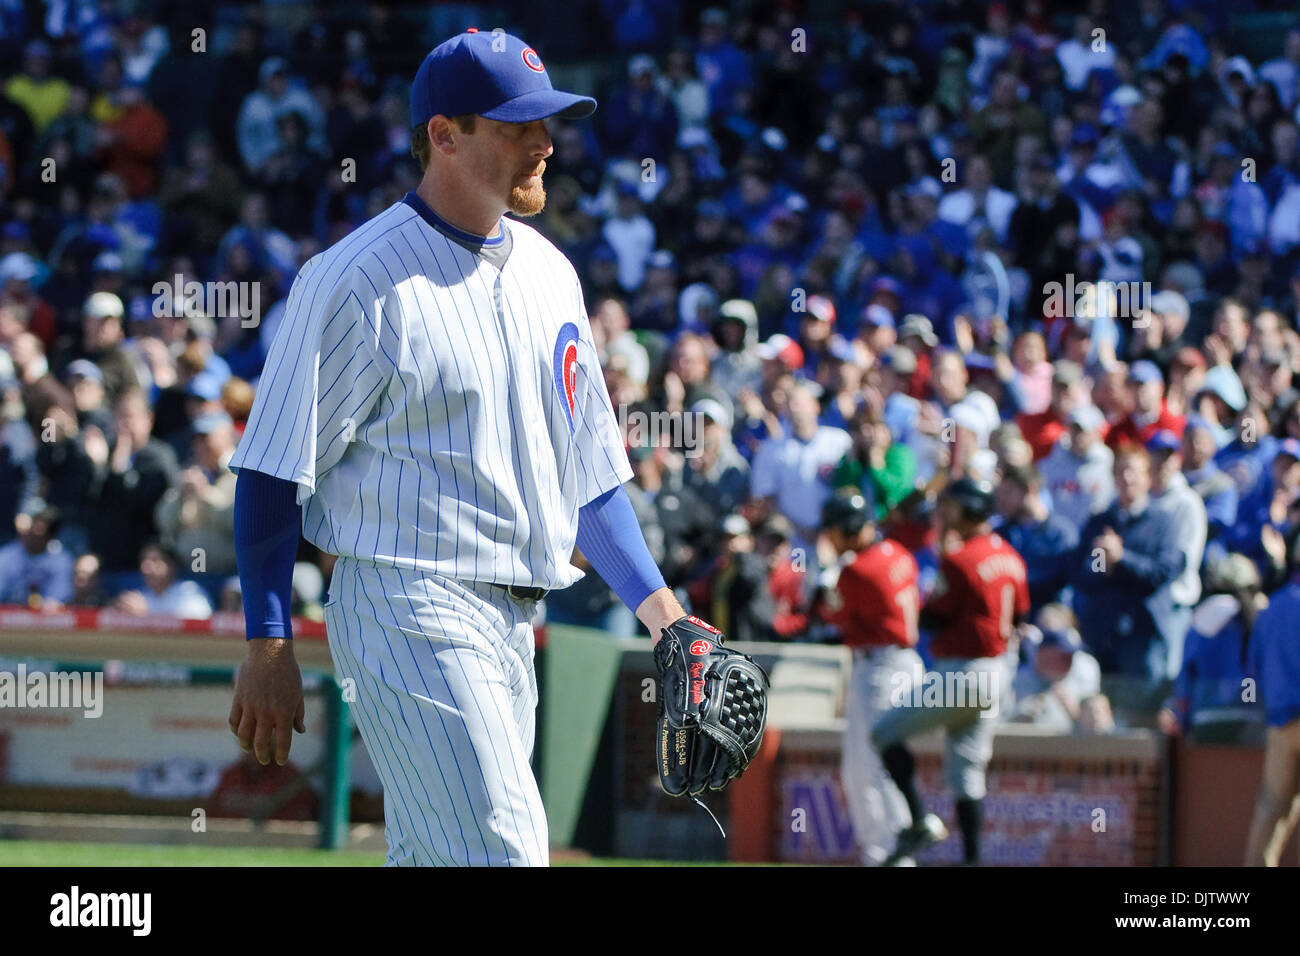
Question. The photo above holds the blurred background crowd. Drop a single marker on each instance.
(825, 233)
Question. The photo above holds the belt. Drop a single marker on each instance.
(522, 593)
(871, 650)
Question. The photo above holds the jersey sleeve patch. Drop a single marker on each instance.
(566, 370)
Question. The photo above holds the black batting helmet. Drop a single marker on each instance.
(847, 509)
(975, 497)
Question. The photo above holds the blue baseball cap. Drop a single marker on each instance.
(209, 423)
(1164, 440)
(878, 316)
(206, 385)
(1066, 639)
(1145, 371)
(494, 75)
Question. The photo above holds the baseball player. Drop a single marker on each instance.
(433, 412)
(871, 596)
(981, 595)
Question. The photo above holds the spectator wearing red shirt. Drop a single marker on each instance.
(17, 272)
(1044, 430)
(131, 145)
(785, 581)
(1150, 412)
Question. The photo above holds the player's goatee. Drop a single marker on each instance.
(528, 200)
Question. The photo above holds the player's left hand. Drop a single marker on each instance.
(712, 709)
(268, 700)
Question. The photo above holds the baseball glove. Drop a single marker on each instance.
(712, 709)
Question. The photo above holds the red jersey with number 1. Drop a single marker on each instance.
(982, 590)
(877, 597)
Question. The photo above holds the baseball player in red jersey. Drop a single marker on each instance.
(980, 598)
(871, 597)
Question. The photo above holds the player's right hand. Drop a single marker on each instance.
(268, 700)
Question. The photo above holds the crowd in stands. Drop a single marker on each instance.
(871, 245)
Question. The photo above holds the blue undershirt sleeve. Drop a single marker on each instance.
(267, 525)
(611, 538)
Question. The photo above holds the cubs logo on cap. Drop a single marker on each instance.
(494, 75)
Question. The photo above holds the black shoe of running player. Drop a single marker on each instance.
(916, 838)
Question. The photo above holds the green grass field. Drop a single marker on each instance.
(43, 853)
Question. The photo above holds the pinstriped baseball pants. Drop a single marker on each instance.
(446, 699)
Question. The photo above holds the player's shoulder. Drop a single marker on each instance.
(995, 556)
(539, 250)
(888, 557)
(887, 549)
(974, 550)
(358, 257)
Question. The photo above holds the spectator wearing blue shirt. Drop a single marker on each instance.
(1127, 556)
(1284, 72)
(1274, 662)
(639, 24)
(1284, 137)
(641, 121)
(927, 288)
(1215, 488)
(923, 203)
(723, 67)
(791, 474)
(1045, 540)
(1245, 446)
(1268, 502)
(1171, 493)
(1228, 198)
(34, 567)
(1209, 703)
(902, 412)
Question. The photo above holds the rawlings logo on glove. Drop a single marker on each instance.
(712, 709)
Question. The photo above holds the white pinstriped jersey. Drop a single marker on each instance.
(440, 409)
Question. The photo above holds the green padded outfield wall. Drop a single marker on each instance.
(577, 685)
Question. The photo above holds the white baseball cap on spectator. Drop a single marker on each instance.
(742, 310)
(696, 298)
(1223, 382)
(900, 359)
(977, 413)
(694, 137)
(8, 375)
(84, 368)
(877, 315)
(714, 409)
(1087, 417)
(212, 421)
(103, 305)
(1169, 302)
(842, 350)
(640, 65)
(734, 525)
(820, 307)
(781, 347)
(108, 262)
(920, 327)
(635, 360)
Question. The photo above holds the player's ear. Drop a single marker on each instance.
(442, 134)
